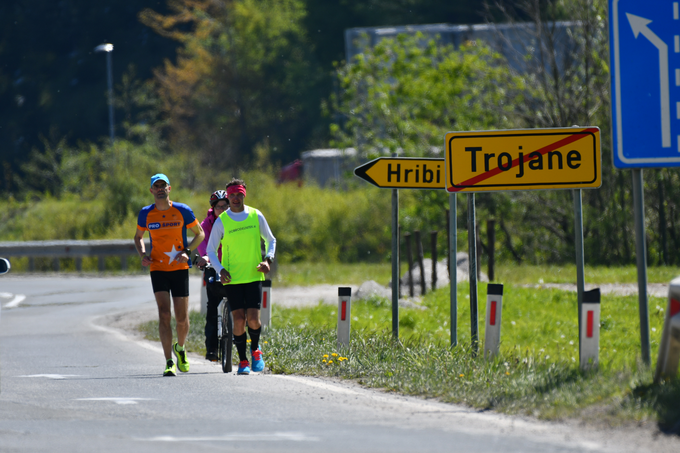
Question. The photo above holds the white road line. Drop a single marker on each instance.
(117, 400)
(19, 298)
(52, 376)
(290, 436)
(155, 347)
(317, 384)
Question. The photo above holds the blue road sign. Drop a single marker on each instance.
(644, 42)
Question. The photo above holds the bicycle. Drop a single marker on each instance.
(225, 328)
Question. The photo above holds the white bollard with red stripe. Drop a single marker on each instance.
(669, 347)
(266, 304)
(590, 329)
(494, 306)
(344, 315)
(204, 296)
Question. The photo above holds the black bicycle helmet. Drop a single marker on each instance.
(217, 196)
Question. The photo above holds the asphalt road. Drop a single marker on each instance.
(71, 382)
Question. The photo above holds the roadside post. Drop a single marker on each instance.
(472, 273)
(589, 325)
(494, 310)
(204, 295)
(669, 347)
(401, 173)
(522, 159)
(344, 315)
(580, 261)
(453, 267)
(266, 304)
(396, 278)
(640, 36)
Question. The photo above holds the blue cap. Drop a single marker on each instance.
(159, 177)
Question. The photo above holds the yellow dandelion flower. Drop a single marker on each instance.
(461, 375)
(248, 341)
(330, 361)
(325, 356)
(335, 354)
(507, 373)
(323, 361)
(265, 342)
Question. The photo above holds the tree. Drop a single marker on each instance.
(405, 94)
(243, 78)
(568, 73)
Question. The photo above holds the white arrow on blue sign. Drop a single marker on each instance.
(644, 40)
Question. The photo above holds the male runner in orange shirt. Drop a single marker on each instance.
(170, 260)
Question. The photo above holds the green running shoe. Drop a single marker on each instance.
(170, 369)
(182, 362)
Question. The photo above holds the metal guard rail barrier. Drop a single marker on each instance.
(76, 249)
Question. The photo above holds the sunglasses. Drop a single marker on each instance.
(222, 207)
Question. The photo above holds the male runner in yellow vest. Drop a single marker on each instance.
(242, 269)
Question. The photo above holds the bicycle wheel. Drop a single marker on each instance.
(226, 344)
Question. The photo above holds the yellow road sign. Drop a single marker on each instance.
(523, 159)
(403, 173)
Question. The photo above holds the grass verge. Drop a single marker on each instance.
(536, 374)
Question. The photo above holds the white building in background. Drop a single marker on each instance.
(328, 166)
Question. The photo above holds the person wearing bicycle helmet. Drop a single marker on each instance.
(218, 204)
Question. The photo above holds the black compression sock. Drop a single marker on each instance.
(254, 337)
(240, 343)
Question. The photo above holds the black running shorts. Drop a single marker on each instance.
(242, 295)
(175, 282)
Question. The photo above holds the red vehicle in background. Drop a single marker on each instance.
(292, 172)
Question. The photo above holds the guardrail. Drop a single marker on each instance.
(123, 248)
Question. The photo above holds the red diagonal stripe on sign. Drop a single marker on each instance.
(546, 149)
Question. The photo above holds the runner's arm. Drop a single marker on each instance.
(199, 235)
(268, 236)
(141, 249)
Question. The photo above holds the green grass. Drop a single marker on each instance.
(306, 274)
(566, 273)
(536, 373)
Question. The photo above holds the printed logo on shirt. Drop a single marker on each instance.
(242, 228)
(170, 224)
(154, 226)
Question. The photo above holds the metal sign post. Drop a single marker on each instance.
(472, 272)
(453, 267)
(641, 257)
(395, 263)
(578, 239)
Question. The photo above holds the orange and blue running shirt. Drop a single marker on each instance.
(168, 234)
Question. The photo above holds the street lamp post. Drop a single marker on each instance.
(108, 48)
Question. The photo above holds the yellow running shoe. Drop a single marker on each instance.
(182, 362)
(170, 369)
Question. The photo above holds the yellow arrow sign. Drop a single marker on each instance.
(523, 159)
(403, 173)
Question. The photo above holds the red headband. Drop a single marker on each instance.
(236, 189)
